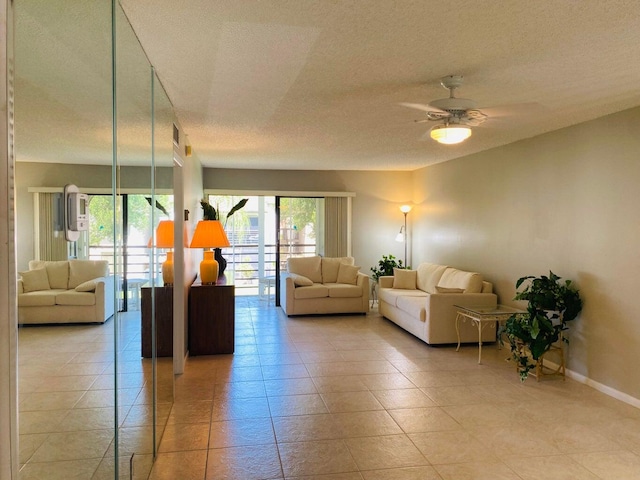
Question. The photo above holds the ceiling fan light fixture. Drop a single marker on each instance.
(450, 134)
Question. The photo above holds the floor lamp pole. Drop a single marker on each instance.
(405, 239)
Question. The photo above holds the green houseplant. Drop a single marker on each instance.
(386, 265)
(552, 304)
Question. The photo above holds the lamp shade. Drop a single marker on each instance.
(164, 234)
(450, 134)
(209, 234)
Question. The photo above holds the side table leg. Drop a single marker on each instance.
(458, 330)
(479, 341)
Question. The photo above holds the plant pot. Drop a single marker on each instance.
(222, 262)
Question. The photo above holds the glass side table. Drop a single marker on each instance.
(481, 316)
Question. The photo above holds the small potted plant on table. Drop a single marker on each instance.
(532, 334)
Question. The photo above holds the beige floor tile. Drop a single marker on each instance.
(191, 412)
(317, 457)
(287, 405)
(73, 446)
(403, 398)
(451, 447)
(63, 470)
(280, 359)
(255, 462)
(190, 465)
(436, 378)
(618, 465)
(490, 414)
(243, 432)
(351, 402)
(477, 471)
(290, 386)
(138, 440)
(65, 384)
(406, 473)
(307, 427)
(576, 438)
(29, 443)
(559, 467)
(185, 436)
(374, 453)
(276, 372)
(458, 395)
(343, 383)
(516, 440)
(426, 419)
(41, 421)
(368, 367)
(366, 424)
(240, 408)
(50, 400)
(88, 419)
(239, 390)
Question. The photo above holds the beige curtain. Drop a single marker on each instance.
(336, 226)
(51, 245)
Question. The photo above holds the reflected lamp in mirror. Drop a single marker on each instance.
(164, 239)
(209, 234)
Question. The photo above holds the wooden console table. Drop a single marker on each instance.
(164, 321)
(211, 319)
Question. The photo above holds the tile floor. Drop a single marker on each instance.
(357, 398)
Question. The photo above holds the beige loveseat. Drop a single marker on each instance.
(422, 301)
(319, 285)
(74, 291)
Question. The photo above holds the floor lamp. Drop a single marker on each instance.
(402, 236)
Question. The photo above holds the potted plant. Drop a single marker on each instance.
(385, 267)
(551, 305)
(209, 212)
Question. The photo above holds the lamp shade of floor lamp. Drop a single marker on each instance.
(209, 234)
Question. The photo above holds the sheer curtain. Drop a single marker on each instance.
(337, 240)
(50, 245)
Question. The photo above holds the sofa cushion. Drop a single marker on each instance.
(404, 279)
(81, 271)
(88, 286)
(306, 266)
(449, 290)
(429, 275)
(41, 298)
(71, 297)
(343, 290)
(58, 272)
(331, 266)
(414, 306)
(390, 295)
(347, 274)
(471, 282)
(317, 290)
(300, 281)
(35, 280)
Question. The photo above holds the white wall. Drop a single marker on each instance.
(567, 201)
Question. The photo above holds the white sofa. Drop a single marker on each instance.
(323, 285)
(422, 301)
(74, 291)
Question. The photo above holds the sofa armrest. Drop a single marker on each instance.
(20, 286)
(287, 288)
(386, 281)
(105, 297)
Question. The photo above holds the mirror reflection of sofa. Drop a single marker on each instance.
(66, 291)
(323, 285)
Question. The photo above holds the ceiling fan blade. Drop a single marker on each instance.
(424, 108)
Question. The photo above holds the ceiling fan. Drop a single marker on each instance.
(456, 115)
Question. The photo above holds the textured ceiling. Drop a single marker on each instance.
(316, 84)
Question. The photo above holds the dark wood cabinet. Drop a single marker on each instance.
(164, 321)
(211, 319)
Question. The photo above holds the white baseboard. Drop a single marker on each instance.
(612, 392)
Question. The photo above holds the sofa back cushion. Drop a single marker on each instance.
(35, 280)
(306, 266)
(81, 271)
(429, 275)
(471, 282)
(330, 267)
(57, 271)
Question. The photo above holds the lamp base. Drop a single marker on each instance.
(208, 269)
(167, 269)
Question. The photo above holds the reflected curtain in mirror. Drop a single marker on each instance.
(51, 245)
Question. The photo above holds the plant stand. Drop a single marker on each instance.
(544, 371)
